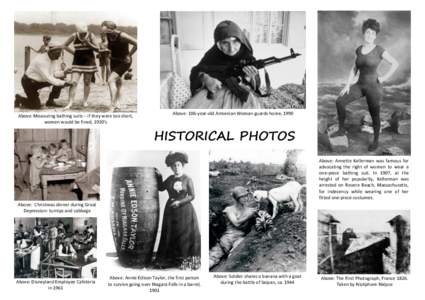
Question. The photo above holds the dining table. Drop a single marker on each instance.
(59, 172)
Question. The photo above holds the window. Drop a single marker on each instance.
(262, 27)
(168, 26)
(270, 27)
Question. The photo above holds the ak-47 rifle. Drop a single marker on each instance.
(234, 74)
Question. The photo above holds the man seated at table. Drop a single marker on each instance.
(66, 249)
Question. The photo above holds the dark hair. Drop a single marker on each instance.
(371, 24)
(109, 24)
(172, 157)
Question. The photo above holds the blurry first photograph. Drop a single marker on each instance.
(364, 102)
(55, 248)
(75, 61)
(257, 211)
(232, 60)
(364, 242)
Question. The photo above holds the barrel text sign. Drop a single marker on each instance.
(134, 214)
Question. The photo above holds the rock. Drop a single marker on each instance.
(290, 249)
(356, 116)
(400, 115)
(339, 143)
(366, 128)
(369, 129)
(403, 127)
(385, 124)
(322, 125)
(396, 151)
(366, 119)
(332, 129)
(400, 122)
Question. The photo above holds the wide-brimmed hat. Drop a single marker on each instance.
(172, 157)
(52, 46)
(239, 192)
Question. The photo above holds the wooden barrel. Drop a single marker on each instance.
(134, 214)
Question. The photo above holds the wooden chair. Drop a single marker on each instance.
(62, 273)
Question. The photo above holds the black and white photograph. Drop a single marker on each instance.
(257, 211)
(75, 61)
(63, 248)
(57, 164)
(364, 86)
(155, 207)
(363, 242)
(232, 60)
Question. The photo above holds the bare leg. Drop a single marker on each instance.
(103, 74)
(87, 82)
(118, 95)
(112, 84)
(73, 89)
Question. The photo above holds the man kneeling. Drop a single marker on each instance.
(42, 72)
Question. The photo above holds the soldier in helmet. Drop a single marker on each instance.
(239, 219)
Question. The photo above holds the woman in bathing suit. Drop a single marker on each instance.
(369, 85)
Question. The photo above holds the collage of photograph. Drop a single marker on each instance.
(103, 208)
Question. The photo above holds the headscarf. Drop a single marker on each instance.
(214, 58)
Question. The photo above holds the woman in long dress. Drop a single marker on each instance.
(210, 83)
(180, 238)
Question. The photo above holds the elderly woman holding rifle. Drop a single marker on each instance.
(209, 81)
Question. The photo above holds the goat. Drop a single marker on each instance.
(283, 194)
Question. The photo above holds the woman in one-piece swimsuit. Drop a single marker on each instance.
(369, 85)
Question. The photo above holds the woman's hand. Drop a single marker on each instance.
(175, 204)
(345, 90)
(251, 72)
(212, 84)
(127, 59)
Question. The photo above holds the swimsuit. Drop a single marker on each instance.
(119, 52)
(367, 86)
(84, 60)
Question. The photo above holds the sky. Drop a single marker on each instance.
(367, 220)
(69, 17)
(340, 33)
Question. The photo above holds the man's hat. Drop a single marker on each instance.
(52, 46)
(239, 192)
